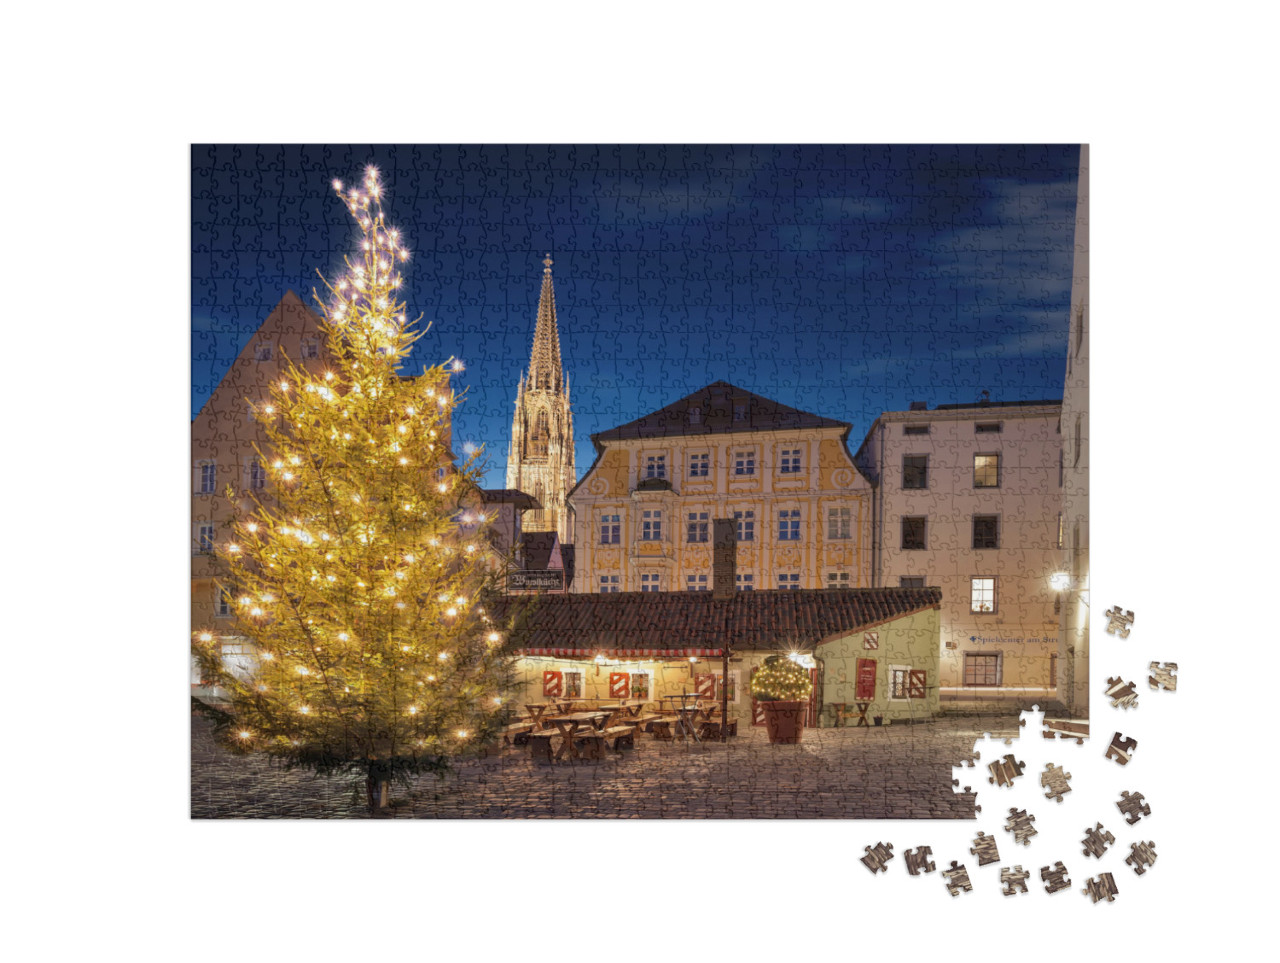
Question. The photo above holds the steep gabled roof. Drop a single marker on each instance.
(680, 624)
(717, 409)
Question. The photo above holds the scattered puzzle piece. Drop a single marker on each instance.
(1019, 823)
(1054, 879)
(1119, 622)
(877, 857)
(1140, 854)
(1133, 806)
(984, 847)
(1102, 887)
(957, 878)
(1055, 781)
(1121, 749)
(1014, 877)
(1096, 841)
(1004, 772)
(918, 861)
(1121, 693)
(1162, 676)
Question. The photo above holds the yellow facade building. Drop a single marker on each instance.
(644, 511)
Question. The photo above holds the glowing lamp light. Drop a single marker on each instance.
(451, 611)
(497, 700)
(458, 366)
(494, 637)
(304, 709)
(245, 734)
(462, 733)
(1059, 581)
(413, 710)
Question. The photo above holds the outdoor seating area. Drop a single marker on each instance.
(563, 730)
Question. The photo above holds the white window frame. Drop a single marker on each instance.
(651, 525)
(648, 674)
(610, 529)
(212, 465)
(650, 581)
(700, 460)
(655, 466)
(974, 597)
(789, 461)
(986, 454)
(745, 582)
(310, 349)
(224, 601)
(263, 351)
(698, 528)
(609, 584)
(791, 579)
(839, 522)
(696, 583)
(789, 529)
(213, 534)
(745, 524)
(839, 580)
(744, 463)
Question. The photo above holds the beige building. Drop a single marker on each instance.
(800, 507)
(1074, 645)
(969, 498)
(223, 436)
(541, 459)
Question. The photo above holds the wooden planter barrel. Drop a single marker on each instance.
(784, 721)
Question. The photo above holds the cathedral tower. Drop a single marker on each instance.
(540, 462)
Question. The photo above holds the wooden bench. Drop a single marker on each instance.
(591, 741)
(517, 734)
(540, 745)
(644, 723)
(624, 737)
(710, 729)
(661, 727)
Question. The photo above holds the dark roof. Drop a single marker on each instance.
(537, 548)
(515, 495)
(671, 622)
(716, 403)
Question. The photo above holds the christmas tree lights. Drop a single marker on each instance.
(361, 576)
(780, 680)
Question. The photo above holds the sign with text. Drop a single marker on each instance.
(546, 580)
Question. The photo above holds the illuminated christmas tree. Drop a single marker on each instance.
(361, 577)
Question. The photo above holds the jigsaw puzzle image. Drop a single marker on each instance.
(647, 481)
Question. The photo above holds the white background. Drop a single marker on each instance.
(102, 104)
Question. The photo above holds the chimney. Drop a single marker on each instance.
(724, 558)
(919, 406)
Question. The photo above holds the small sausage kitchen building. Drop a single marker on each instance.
(872, 650)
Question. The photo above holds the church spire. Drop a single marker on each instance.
(545, 370)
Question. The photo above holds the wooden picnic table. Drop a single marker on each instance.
(687, 714)
(536, 711)
(568, 725)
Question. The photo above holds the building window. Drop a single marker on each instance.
(915, 471)
(913, 528)
(640, 685)
(204, 538)
(788, 580)
(739, 412)
(789, 525)
(839, 522)
(699, 466)
(698, 526)
(837, 580)
(988, 428)
(981, 669)
(746, 525)
(915, 429)
(224, 599)
(744, 463)
(746, 581)
(910, 581)
(906, 683)
(650, 582)
(1075, 453)
(206, 477)
(986, 471)
(790, 461)
(608, 583)
(986, 531)
(982, 594)
(651, 526)
(573, 684)
(310, 349)
(610, 529)
(655, 466)
(257, 474)
(696, 583)
(1060, 463)
(262, 351)
(1059, 529)
(695, 416)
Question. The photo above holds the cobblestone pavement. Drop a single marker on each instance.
(895, 772)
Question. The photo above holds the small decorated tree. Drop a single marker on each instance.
(781, 686)
(361, 592)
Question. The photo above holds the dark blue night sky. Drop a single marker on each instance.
(840, 280)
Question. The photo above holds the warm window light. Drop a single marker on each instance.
(1059, 581)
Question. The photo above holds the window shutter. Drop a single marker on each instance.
(865, 686)
(704, 686)
(915, 684)
(553, 684)
(619, 685)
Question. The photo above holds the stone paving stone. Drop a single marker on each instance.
(897, 772)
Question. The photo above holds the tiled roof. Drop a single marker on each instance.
(521, 499)
(715, 415)
(672, 622)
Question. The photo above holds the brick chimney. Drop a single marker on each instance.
(724, 559)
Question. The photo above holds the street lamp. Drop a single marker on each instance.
(1060, 581)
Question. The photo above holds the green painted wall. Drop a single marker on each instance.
(910, 642)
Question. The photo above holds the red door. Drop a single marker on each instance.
(811, 715)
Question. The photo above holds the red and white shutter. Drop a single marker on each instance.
(552, 684)
(704, 685)
(619, 685)
(915, 684)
